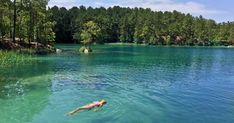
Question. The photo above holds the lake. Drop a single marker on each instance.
(141, 84)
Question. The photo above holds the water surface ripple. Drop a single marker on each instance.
(141, 84)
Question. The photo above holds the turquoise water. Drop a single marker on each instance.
(141, 84)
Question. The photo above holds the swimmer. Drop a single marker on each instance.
(90, 106)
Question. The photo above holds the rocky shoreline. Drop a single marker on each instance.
(30, 48)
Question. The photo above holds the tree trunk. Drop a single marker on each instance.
(10, 17)
(14, 21)
(1, 18)
(20, 23)
(30, 35)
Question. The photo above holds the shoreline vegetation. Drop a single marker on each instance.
(11, 58)
(21, 53)
(26, 48)
(141, 26)
(33, 27)
(26, 27)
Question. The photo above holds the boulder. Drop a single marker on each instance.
(85, 50)
(58, 50)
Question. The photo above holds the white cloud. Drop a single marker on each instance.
(170, 5)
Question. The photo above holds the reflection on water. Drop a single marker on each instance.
(141, 84)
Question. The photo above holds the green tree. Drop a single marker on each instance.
(4, 18)
(231, 35)
(89, 33)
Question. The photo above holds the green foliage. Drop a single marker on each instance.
(9, 58)
(138, 25)
(32, 22)
(231, 35)
(89, 33)
(48, 34)
(4, 20)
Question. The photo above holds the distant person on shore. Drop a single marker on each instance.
(90, 106)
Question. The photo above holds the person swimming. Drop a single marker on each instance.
(90, 106)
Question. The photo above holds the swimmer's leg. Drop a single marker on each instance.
(74, 111)
(78, 109)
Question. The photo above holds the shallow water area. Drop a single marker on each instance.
(142, 84)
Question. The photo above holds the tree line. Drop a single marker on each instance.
(26, 21)
(32, 20)
(138, 25)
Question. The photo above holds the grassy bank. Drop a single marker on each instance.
(9, 58)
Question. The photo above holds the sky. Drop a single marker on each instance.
(218, 10)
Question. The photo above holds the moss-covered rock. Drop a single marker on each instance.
(85, 49)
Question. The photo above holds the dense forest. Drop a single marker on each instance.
(140, 25)
(33, 20)
(26, 21)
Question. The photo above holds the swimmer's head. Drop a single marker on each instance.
(103, 102)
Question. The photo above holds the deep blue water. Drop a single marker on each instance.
(141, 85)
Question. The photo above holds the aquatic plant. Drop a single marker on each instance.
(10, 58)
